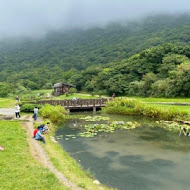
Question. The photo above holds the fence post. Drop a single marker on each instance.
(68, 110)
(94, 109)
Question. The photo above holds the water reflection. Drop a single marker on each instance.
(142, 159)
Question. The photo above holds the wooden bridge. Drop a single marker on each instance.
(77, 104)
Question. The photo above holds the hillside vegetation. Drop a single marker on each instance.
(146, 58)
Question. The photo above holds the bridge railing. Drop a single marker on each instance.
(76, 103)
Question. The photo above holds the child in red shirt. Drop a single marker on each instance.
(34, 133)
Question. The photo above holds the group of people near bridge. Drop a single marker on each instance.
(17, 112)
(39, 132)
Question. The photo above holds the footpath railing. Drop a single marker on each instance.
(80, 103)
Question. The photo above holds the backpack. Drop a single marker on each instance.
(41, 126)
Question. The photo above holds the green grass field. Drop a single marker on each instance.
(7, 103)
(42, 91)
(167, 100)
(18, 169)
(177, 100)
(180, 108)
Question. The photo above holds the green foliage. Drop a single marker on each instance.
(92, 93)
(180, 80)
(5, 89)
(57, 114)
(29, 97)
(134, 107)
(29, 107)
(148, 73)
(92, 130)
(31, 85)
(20, 89)
(132, 59)
(170, 62)
(47, 85)
(72, 91)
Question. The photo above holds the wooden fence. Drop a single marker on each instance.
(77, 104)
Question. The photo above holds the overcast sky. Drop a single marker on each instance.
(36, 17)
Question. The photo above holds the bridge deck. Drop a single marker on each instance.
(77, 104)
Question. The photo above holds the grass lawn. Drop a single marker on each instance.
(177, 100)
(42, 91)
(7, 103)
(180, 108)
(18, 170)
(183, 100)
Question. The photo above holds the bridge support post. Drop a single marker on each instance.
(68, 110)
(94, 109)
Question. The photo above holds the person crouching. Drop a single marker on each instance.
(39, 136)
(35, 132)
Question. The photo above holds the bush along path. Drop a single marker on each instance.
(40, 155)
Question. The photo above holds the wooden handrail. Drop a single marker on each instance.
(77, 103)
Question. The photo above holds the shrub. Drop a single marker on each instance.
(29, 97)
(72, 91)
(134, 107)
(92, 93)
(29, 107)
(57, 114)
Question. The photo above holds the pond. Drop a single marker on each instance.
(145, 158)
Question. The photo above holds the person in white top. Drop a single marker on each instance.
(74, 99)
(35, 113)
(17, 111)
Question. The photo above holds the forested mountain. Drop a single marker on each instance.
(119, 58)
(162, 71)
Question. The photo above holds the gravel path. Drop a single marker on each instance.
(7, 111)
(36, 149)
(40, 155)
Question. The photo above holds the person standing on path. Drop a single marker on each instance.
(113, 96)
(35, 113)
(17, 111)
(18, 99)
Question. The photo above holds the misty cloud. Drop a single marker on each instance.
(36, 17)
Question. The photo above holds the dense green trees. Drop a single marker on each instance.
(5, 89)
(147, 58)
(159, 71)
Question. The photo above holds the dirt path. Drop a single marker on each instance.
(40, 155)
(7, 112)
(36, 149)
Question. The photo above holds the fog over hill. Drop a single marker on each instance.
(35, 18)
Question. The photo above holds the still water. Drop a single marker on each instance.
(145, 158)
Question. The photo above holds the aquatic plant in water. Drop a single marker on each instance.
(172, 126)
(94, 118)
(92, 130)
